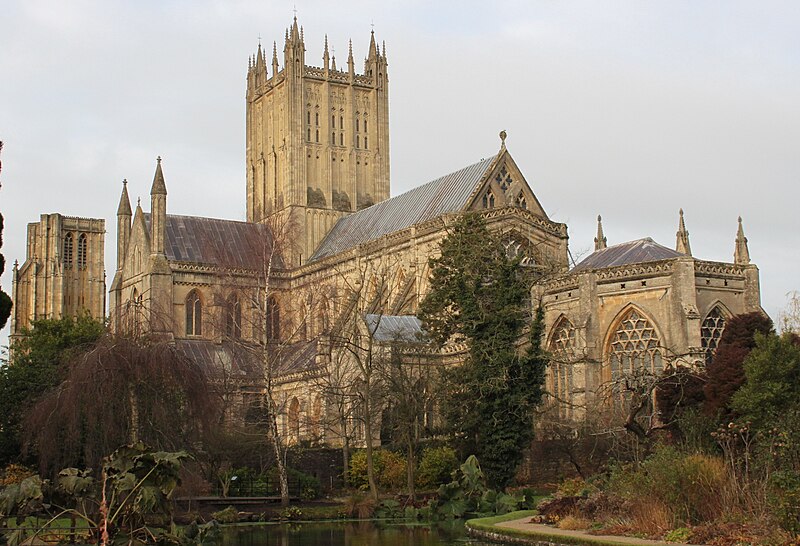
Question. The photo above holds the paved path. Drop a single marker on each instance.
(524, 524)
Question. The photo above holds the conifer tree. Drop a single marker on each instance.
(5, 300)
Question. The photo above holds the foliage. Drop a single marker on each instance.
(479, 294)
(680, 391)
(5, 299)
(468, 494)
(770, 397)
(725, 373)
(436, 466)
(40, 363)
(390, 469)
(291, 513)
(122, 390)
(360, 506)
(226, 515)
(14, 473)
(784, 499)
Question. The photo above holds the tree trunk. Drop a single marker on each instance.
(373, 488)
(276, 445)
(410, 465)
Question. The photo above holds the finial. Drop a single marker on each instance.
(600, 242)
(682, 237)
(741, 253)
(158, 159)
(503, 136)
(16, 264)
(259, 40)
(124, 181)
(383, 53)
(139, 202)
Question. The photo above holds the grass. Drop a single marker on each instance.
(489, 525)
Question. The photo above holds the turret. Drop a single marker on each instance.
(123, 224)
(158, 212)
(741, 254)
(274, 58)
(351, 65)
(326, 58)
(682, 237)
(600, 242)
(294, 51)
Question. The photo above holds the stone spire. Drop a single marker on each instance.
(600, 241)
(326, 57)
(682, 242)
(741, 255)
(274, 58)
(159, 187)
(351, 65)
(124, 208)
(373, 49)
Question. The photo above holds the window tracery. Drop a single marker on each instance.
(634, 347)
(503, 179)
(521, 202)
(488, 200)
(233, 317)
(294, 420)
(272, 320)
(516, 247)
(562, 348)
(711, 332)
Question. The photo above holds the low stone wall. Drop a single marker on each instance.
(507, 539)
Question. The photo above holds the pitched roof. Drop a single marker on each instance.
(632, 252)
(441, 196)
(238, 245)
(406, 328)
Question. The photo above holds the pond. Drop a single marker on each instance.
(361, 533)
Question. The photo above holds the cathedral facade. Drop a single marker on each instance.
(325, 248)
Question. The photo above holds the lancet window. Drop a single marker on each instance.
(294, 420)
(272, 320)
(521, 202)
(711, 332)
(194, 314)
(233, 317)
(82, 242)
(488, 200)
(66, 257)
(562, 349)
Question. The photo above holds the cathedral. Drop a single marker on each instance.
(325, 247)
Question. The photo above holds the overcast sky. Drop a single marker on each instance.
(626, 109)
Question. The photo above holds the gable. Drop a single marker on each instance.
(505, 186)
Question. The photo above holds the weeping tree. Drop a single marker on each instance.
(122, 391)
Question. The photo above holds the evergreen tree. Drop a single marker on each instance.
(5, 300)
(479, 294)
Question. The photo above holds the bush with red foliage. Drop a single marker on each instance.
(725, 373)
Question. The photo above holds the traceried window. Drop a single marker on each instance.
(82, 251)
(711, 332)
(272, 320)
(233, 317)
(194, 314)
(66, 257)
(294, 420)
(488, 200)
(562, 348)
(515, 247)
(633, 347)
(521, 202)
(503, 179)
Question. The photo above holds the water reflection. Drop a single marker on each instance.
(362, 533)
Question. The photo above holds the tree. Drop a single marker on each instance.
(770, 396)
(123, 390)
(725, 373)
(479, 294)
(5, 300)
(40, 363)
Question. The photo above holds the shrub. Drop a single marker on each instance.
(436, 466)
(571, 522)
(228, 515)
(359, 506)
(575, 487)
(785, 499)
(390, 469)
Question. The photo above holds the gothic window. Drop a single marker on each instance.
(273, 320)
(316, 419)
(562, 348)
(341, 122)
(194, 314)
(366, 147)
(308, 117)
(634, 347)
(333, 122)
(316, 119)
(358, 141)
(365, 129)
(294, 420)
(711, 332)
(521, 202)
(308, 134)
(333, 138)
(82, 251)
(67, 254)
(233, 317)
(516, 247)
(488, 200)
(317, 138)
(341, 139)
(503, 179)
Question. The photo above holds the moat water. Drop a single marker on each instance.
(362, 533)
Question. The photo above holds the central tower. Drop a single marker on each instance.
(317, 138)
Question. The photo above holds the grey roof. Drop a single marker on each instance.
(441, 196)
(632, 252)
(407, 328)
(240, 361)
(228, 243)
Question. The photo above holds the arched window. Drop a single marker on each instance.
(233, 317)
(366, 144)
(66, 257)
(562, 348)
(316, 119)
(272, 320)
(82, 251)
(521, 202)
(358, 141)
(488, 200)
(516, 246)
(711, 332)
(316, 419)
(194, 314)
(634, 346)
(365, 130)
(503, 179)
(294, 420)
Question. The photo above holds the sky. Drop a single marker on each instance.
(631, 110)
